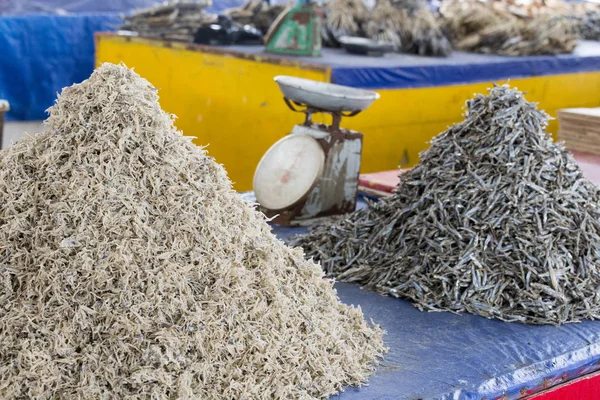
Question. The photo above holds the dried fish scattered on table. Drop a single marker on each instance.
(421, 33)
(343, 18)
(130, 269)
(488, 28)
(495, 220)
(384, 24)
(589, 25)
(170, 21)
(407, 25)
(257, 13)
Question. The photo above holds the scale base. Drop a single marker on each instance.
(336, 190)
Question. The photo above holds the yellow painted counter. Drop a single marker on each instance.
(229, 101)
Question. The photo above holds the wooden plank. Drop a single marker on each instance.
(581, 112)
(583, 147)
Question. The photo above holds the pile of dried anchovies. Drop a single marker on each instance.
(130, 269)
(496, 220)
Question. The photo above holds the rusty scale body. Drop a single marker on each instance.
(313, 172)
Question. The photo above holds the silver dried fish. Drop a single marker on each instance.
(494, 204)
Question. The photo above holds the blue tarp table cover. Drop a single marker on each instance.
(399, 71)
(465, 357)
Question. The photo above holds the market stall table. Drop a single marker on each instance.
(448, 356)
(226, 96)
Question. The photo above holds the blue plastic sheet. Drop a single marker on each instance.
(445, 74)
(39, 55)
(399, 71)
(405, 71)
(466, 357)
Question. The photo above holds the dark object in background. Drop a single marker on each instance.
(364, 46)
(226, 32)
(170, 21)
(589, 25)
(257, 13)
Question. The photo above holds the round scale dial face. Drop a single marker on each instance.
(287, 171)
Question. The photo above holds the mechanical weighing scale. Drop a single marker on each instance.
(313, 172)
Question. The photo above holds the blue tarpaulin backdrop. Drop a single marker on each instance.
(23, 7)
(42, 53)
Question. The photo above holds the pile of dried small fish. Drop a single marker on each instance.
(421, 33)
(130, 269)
(584, 15)
(487, 28)
(407, 25)
(496, 220)
(171, 21)
(257, 13)
(343, 18)
(384, 24)
(531, 8)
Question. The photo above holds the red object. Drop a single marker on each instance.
(585, 388)
(378, 182)
(384, 182)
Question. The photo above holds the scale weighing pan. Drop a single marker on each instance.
(325, 96)
(288, 171)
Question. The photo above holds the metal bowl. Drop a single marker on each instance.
(325, 96)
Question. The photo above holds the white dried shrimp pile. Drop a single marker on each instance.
(496, 220)
(130, 269)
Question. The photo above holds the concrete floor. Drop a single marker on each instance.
(14, 130)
